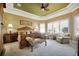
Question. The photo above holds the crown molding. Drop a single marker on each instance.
(70, 8)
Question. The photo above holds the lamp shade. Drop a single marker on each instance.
(10, 28)
(10, 25)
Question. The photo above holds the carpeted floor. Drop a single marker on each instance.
(53, 48)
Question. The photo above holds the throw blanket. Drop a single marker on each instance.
(34, 41)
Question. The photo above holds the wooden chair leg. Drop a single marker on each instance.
(45, 43)
(3, 52)
(31, 48)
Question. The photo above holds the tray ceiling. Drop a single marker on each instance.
(35, 8)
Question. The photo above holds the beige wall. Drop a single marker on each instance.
(14, 20)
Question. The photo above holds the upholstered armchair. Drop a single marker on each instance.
(35, 38)
(63, 38)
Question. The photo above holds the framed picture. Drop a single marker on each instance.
(25, 22)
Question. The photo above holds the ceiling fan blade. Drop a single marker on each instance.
(42, 5)
(46, 9)
(4, 5)
(46, 5)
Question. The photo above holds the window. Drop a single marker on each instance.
(77, 25)
(36, 27)
(42, 28)
(49, 27)
(61, 26)
(56, 27)
(64, 26)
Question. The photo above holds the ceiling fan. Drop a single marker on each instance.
(44, 6)
(4, 5)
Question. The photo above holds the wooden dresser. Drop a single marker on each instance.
(10, 37)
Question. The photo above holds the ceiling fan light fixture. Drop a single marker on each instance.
(42, 9)
(44, 6)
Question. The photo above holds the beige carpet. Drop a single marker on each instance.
(53, 48)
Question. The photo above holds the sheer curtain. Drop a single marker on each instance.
(56, 27)
(61, 26)
(64, 26)
(50, 27)
(36, 28)
(76, 25)
(42, 28)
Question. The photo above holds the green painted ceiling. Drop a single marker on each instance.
(34, 8)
